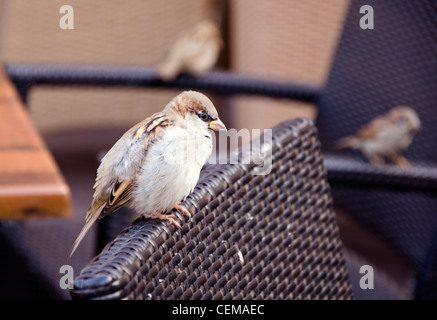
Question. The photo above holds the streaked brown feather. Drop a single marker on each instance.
(119, 196)
(120, 190)
(105, 203)
(370, 131)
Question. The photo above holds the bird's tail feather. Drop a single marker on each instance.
(348, 142)
(88, 223)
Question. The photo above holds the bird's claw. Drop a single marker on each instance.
(167, 217)
(183, 210)
(402, 162)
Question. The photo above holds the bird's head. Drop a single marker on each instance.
(405, 115)
(192, 107)
(206, 31)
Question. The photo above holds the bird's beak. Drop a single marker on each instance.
(217, 125)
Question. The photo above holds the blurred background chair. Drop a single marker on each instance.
(373, 71)
(252, 236)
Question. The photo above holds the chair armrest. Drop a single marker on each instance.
(345, 169)
(27, 75)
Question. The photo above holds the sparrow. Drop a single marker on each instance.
(157, 162)
(385, 137)
(195, 51)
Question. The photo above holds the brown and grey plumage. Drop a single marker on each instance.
(149, 168)
(195, 51)
(385, 136)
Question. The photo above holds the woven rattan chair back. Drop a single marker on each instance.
(270, 236)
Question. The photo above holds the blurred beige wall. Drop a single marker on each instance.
(116, 31)
(286, 39)
(134, 32)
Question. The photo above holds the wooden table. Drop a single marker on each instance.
(31, 184)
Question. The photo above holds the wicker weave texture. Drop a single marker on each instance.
(252, 236)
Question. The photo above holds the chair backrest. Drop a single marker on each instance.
(270, 236)
(373, 70)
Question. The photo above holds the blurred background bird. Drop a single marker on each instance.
(385, 137)
(195, 51)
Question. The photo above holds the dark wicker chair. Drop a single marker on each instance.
(252, 236)
(374, 70)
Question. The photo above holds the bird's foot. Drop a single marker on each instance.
(167, 217)
(375, 160)
(183, 210)
(401, 162)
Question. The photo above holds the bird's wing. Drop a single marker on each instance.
(119, 168)
(119, 196)
(371, 130)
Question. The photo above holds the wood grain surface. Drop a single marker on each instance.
(31, 184)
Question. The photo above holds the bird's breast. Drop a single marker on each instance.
(170, 171)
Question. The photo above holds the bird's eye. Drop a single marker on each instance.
(204, 116)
